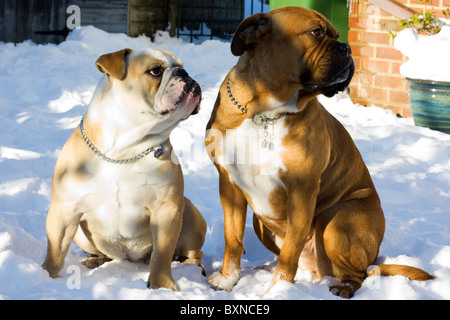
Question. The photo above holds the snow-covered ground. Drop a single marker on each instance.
(44, 91)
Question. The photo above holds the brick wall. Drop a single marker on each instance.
(377, 79)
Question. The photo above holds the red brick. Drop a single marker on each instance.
(374, 94)
(446, 3)
(375, 65)
(354, 36)
(388, 53)
(389, 82)
(399, 97)
(356, 7)
(375, 37)
(357, 22)
(363, 51)
(395, 67)
(358, 63)
(353, 89)
(406, 112)
(363, 78)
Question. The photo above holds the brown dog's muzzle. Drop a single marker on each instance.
(333, 71)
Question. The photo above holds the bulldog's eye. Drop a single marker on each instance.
(155, 72)
(316, 32)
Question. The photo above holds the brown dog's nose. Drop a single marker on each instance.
(345, 48)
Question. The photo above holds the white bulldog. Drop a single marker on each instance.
(116, 190)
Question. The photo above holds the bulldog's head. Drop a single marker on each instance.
(151, 83)
(297, 47)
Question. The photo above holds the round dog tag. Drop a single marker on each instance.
(159, 154)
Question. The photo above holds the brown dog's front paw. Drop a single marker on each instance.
(220, 282)
(345, 289)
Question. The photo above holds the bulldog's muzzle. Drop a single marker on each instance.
(179, 91)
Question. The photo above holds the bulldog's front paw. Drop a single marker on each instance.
(95, 262)
(51, 269)
(162, 282)
(220, 282)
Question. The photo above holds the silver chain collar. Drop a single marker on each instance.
(158, 150)
(237, 104)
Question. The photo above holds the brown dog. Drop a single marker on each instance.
(277, 149)
(116, 189)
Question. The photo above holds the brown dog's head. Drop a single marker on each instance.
(298, 47)
(151, 82)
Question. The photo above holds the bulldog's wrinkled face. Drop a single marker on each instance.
(297, 47)
(151, 83)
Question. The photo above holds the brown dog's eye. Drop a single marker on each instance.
(316, 32)
(155, 72)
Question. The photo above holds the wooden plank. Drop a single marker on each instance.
(147, 16)
(23, 27)
(110, 15)
(9, 21)
(111, 28)
(93, 17)
(19, 20)
(394, 8)
(96, 4)
(152, 3)
(144, 15)
(48, 15)
(2, 18)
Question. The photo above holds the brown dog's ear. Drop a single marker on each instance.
(250, 32)
(113, 64)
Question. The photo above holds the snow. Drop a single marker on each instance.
(428, 55)
(44, 92)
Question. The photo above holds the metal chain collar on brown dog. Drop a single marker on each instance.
(258, 119)
(237, 104)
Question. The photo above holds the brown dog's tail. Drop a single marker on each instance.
(400, 270)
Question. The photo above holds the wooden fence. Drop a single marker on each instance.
(45, 21)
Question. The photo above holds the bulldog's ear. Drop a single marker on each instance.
(250, 32)
(113, 64)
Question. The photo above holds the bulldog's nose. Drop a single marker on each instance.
(179, 72)
(345, 48)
